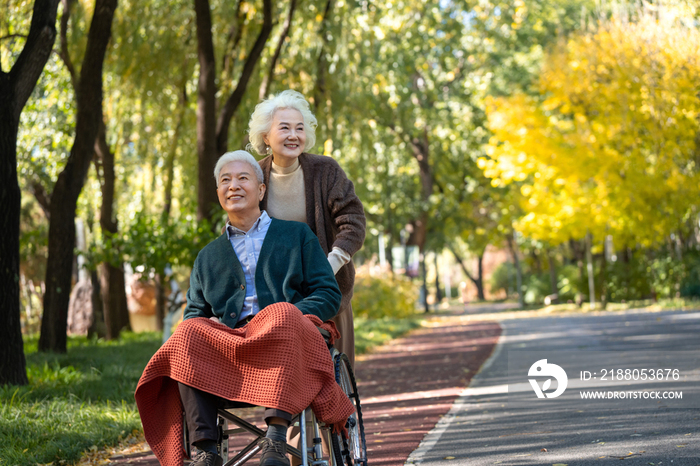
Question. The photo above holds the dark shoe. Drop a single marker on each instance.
(273, 453)
(207, 458)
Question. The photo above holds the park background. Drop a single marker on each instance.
(545, 152)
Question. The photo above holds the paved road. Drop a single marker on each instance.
(487, 425)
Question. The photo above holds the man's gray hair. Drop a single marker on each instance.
(238, 156)
(261, 119)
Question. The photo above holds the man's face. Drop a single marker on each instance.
(239, 190)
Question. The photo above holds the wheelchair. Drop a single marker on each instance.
(343, 450)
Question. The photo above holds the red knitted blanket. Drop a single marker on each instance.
(279, 360)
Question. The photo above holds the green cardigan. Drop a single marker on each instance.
(291, 268)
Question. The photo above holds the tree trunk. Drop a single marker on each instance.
(438, 292)
(578, 255)
(115, 309)
(421, 152)
(478, 280)
(424, 285)
(388, 189)
(270, 76)
(170, 158)
(70, 182)
(589, 270)
(553, 276)
(513, 247)
(168, 196)
(228, 110)
(603, 280)
(536, 261)
(388, 250)
(16, 87)
(98, 327)
(160, 300)
(206, 113)
(12, 362)
(212, 133)
(113, 289)
(321, 90)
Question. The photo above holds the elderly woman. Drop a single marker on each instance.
(312, 189)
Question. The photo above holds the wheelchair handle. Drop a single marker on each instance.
(325, 333)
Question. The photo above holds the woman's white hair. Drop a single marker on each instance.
(238, 156)
(261, 119)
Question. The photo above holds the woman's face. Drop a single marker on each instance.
(286, 137)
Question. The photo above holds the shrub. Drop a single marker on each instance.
(690, 284)
(503, 278)
(384, 297)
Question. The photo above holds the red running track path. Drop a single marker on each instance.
(406, 386)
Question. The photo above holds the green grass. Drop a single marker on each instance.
(74, 401)
(370, 333)
(84, 399)
(683, 304)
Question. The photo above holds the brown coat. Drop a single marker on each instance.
(335, 214)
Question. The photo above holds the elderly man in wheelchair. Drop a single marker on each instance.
(250, 336)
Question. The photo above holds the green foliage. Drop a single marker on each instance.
(605, 107)
(503, 279)
(654, 275)
(638, 274)
(375, 298)
(690, 283)
(628, 278)
(570, 284)
(74, 401)
(537, 285)
(150, 243)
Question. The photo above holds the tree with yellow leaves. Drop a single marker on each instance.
(610, 145)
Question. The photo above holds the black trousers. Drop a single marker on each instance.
(201, 412)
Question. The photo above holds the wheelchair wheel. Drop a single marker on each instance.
(354, 448)
(337, 448)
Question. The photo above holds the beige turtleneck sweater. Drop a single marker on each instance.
(286, 200)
